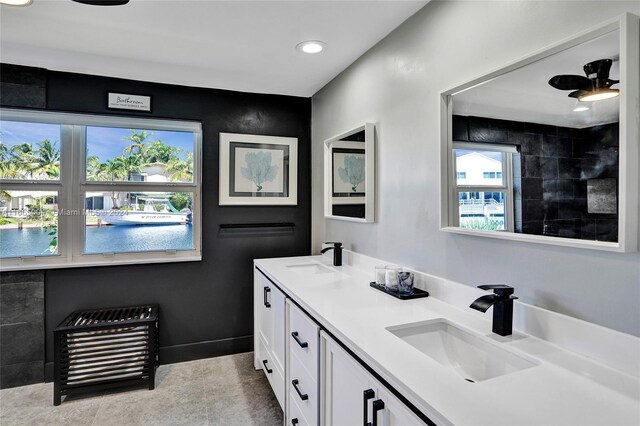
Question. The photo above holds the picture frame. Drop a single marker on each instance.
(348, 173)
(258, 170)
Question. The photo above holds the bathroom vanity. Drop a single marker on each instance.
(337, 351)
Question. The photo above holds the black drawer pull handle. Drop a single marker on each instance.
(303, 396)
(300, 342)
(378, 405)
(264, 296)
(367, 395)
(268, 370)
(294, 422)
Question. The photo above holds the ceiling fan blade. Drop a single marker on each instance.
(571, 82)
(608, 83)
(103, 2)
(578, 93)
(598, 69)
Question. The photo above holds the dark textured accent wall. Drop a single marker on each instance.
(206, 308)
(555, 165)
(21, 328)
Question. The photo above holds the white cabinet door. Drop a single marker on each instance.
(343, 386)
(395, 413)
(269, 333)
(263, 297)
(277, 301)
(350, 395)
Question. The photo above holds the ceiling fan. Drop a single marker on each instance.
(594, 87)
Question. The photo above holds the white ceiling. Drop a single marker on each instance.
(237, 45)
(525, 94)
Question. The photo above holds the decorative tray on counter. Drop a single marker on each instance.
(416, 294)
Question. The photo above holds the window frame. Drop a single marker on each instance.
(507, 185)
(73, 185)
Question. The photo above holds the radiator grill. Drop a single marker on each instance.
(104, 348)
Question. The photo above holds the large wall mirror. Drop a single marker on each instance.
(349, 160)
(546, 149)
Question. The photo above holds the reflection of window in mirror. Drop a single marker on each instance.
(484, 187)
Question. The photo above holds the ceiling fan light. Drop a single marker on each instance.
(599, 95)
(16, 2)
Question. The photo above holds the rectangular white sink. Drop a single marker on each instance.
(310, 268)
(471, 356)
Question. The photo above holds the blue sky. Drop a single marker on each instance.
(105, 142)
(17, 132)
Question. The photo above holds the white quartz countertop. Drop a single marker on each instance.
(564, 389)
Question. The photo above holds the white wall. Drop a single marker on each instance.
(396, 86)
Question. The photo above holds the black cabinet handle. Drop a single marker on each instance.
(378, 405)
(303, 396)
(294, 422)
(300, 342)
(268, 370)
(264, 296)
(367, 395)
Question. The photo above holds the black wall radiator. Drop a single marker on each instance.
(105, 348)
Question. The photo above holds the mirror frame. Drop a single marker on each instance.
(370, 175)
(629, 27)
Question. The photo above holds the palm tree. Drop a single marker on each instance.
(158, 152)
(181, 170)
(47, 159)
(23, 159)
(138, 139)
(8, 167)
(116, 169)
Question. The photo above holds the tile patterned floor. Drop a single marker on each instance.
(215, 391)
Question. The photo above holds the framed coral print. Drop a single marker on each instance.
(258, 170)
(348, 172)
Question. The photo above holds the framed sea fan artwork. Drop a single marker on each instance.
(348, 173)
(258, 170)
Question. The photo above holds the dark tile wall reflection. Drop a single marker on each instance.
(21, 328)
(551, 173)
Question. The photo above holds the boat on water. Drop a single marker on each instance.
(166, 214)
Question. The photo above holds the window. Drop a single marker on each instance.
(485, 198)
(81, 190)
(462, 175)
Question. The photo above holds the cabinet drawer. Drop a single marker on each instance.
(273, 373)
(303, 339)
(295, 413)
(306, 385)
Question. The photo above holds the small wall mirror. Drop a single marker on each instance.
(349, 161)
(546, 149)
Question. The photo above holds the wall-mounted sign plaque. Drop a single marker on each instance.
(124, 101)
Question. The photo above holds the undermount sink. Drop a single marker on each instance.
(310, 268)
(471, 356)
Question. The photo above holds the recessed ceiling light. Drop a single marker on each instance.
(311, 46)
(581, 108)
(16, 2)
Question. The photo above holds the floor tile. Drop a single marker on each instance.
(216, 391)
(33, 405)
(179, 374)
(172, 405)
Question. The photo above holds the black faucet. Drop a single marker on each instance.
(502, 302)
(337, 253)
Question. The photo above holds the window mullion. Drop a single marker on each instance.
(67, 208)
